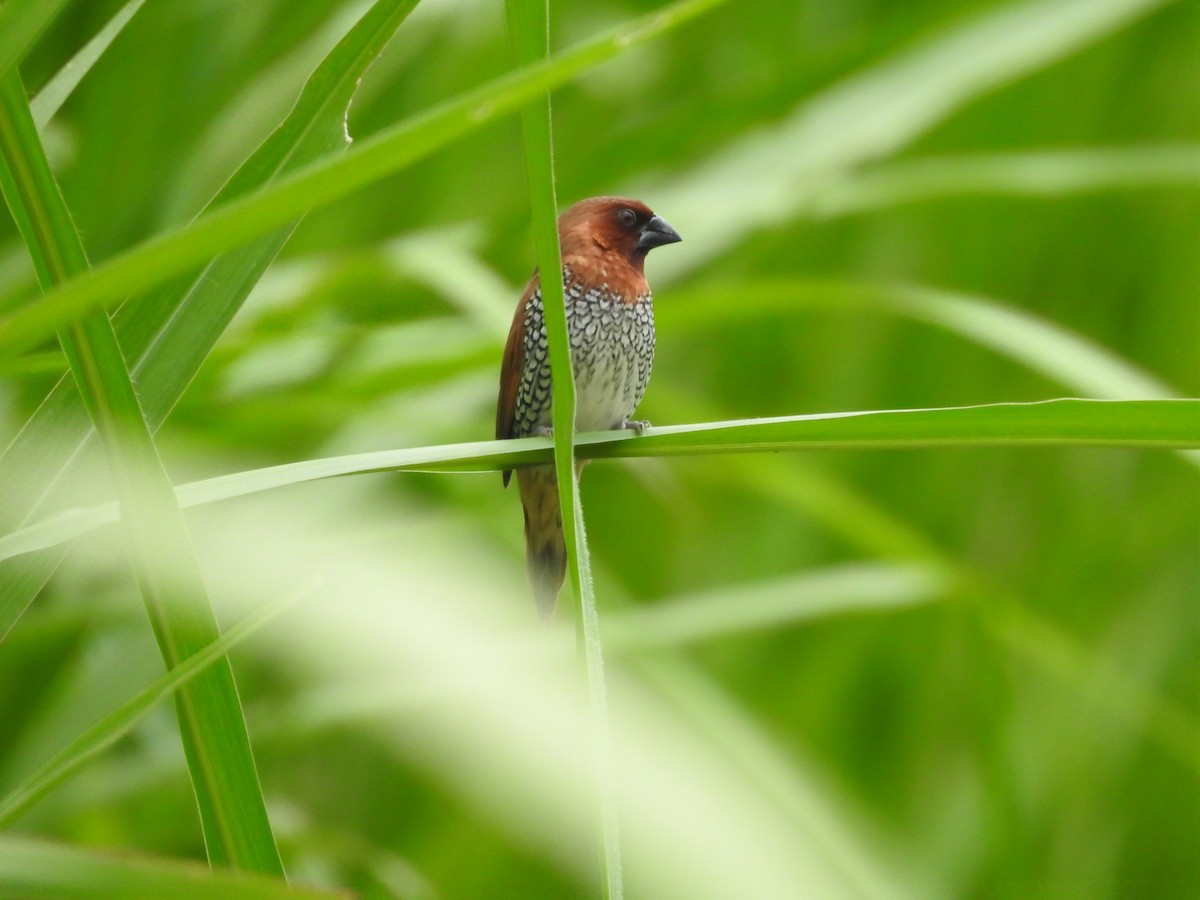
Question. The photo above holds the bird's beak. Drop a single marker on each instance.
(656, 233)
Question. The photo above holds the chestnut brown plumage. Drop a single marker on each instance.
(610, 320)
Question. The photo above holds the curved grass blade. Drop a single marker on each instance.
(1048, 174)
(167, 334)
(1042, 346)
(233, 814)
(1158, 424)
(849, 588)
(33, 868)
(54, 94)
(772, 174)
(239, 221)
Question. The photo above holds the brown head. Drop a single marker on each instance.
(606, 239)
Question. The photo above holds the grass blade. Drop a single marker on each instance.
(529, 27)
(21, 23)
(1050, 174)
(1147, 424)
(843, 589)
(233, 815)
(770, 176)
(56, 91)
(1047, 348)
(34, 869)
(120, 721)
(167, 334)
(234, 224)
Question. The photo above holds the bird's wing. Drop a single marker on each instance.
(512, 369)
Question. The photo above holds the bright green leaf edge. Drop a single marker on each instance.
(54, 94)
(1063, 423)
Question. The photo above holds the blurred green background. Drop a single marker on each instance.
(819, 158)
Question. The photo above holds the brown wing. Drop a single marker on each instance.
(511, 370)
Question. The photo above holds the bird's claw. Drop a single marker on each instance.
(637, 426)
(543, 431)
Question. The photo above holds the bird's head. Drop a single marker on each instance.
(610, 232)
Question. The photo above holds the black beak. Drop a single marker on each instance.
(656, 233)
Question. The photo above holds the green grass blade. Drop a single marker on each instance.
(1146, 424)
(21, 23)
(1049, 174)
(232, 812)
(120, 721)
(1041, 346)
(234, 224)
(35, 869)
(167, 334)
(56, 91)
(850, 588)
(1000, 615)
(529, 27)
(771, 175)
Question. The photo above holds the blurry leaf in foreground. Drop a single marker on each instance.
(517, 744)
(31, 868)
(751, 607)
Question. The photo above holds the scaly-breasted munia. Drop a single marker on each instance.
(610, 319)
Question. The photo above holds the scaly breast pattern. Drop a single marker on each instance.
(612, 351)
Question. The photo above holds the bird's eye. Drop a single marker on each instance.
(628, 217)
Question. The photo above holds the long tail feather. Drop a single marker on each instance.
(545, 547)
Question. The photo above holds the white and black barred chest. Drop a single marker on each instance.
(612, 351)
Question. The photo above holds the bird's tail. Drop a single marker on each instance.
(545, 547)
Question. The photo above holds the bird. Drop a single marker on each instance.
(603, 242)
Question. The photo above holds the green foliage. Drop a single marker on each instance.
(958, 661)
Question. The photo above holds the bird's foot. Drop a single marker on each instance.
(542, 431)
(637, 426)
